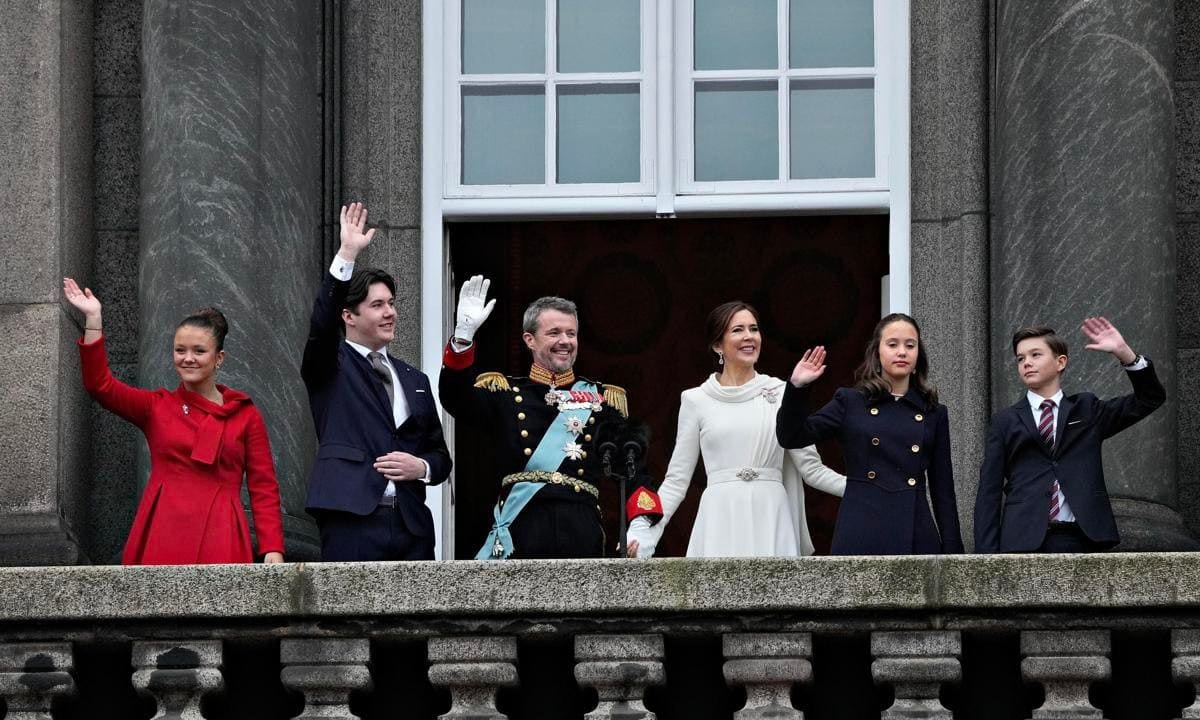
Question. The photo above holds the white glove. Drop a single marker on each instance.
(641, 530)
(472, 308)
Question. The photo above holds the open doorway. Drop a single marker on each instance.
(644, 289)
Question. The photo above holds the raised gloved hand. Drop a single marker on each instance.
(473, 308)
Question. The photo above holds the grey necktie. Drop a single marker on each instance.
(385, 376)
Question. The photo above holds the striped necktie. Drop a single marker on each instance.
(1046, 430)
(385, 376)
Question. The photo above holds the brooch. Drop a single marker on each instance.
(747, 474)
(185, 409)
(552, 398)
(770, 395)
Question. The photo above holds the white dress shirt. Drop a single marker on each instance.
(1035, 404)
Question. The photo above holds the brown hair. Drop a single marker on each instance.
(719, 319)
(210, 319)
(1058, 346)
(869, 378)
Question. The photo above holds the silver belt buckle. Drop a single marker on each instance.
(747, 474)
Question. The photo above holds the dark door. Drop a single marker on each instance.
(644, 289)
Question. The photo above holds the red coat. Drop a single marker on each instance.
(191, 511)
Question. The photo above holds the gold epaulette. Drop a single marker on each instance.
(617, 399)
(493, 381)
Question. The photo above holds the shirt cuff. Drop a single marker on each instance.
(1139, 363)
(341, 269)
(424, 478)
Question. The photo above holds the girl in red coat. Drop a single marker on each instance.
(203, 438)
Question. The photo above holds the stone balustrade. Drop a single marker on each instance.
(1045, 636)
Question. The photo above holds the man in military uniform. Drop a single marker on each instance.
(548, 428)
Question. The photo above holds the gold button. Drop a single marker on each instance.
(916, 448)
(575, 486)
(528, 452)
(870, 474)
(583, 453)
(515, 389)
(587, 438)
(520, 416)
(517, 399)
(591, 421)
(874, 441)
(580, 473)
(918, 417)
(874, 411)
(524, 433)
(912, 482)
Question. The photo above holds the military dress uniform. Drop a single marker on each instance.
(893, 448)
(562, 520)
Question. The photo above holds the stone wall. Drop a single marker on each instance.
(1187, 234)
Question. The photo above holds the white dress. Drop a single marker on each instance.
(754, 502)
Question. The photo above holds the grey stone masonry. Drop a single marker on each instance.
(178, 675)
(916, 664)
(32, 675)
(1185, 667)
(326, 672)
(473, 668)
(767, 665)
(1066, 663)
(619, 668)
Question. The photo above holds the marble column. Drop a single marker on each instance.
(917, 664)
(1083, 219)
(32, 675)
(1066, 663)
(767, 665)
(178, 675)
(231, 200)
(326, 671)
(619, 668)
(473, 668)
(1185, 667)
(46, 202)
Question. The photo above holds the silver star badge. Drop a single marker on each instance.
(574, 425)
(573, 451)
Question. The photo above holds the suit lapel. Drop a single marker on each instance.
(1026, 417)
(1064, 414)
(375, 387)
(407, 384)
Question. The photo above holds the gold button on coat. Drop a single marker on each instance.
(874, 441)
(916, 448)
(918, 417)
(517, 399)
(591, 421)
(516, 389)
(874, 411)
(520, 416)
(912, 482)
(580, 473)
(524, 433)
(587, 438)
(584, 454)
(870, 474)
(528, 452)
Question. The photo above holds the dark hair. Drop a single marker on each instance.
(210, 319)
(360, 286)
(1058, 346)
(869, 378)
(719, 319)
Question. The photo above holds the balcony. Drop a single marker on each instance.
(907, 637)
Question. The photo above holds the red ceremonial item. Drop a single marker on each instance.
(191, 511)
(643, 502)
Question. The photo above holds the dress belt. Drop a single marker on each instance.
(744, 474)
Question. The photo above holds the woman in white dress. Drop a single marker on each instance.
(754, 502)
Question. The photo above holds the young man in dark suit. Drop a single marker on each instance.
(379, 432)
(1042, 455)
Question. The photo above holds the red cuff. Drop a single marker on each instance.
(644, 502)
(458, 360)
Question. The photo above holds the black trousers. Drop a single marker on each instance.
(382, 535)
(553, 526)
(1067, 538)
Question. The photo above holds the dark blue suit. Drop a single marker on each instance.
(1019, 468)
(354, 424)
(893, 447)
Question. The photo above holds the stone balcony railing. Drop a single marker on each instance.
(976, 636)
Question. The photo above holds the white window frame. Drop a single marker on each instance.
(892, 62)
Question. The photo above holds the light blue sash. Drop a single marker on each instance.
(547, 457)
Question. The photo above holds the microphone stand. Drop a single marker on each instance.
(608, 448)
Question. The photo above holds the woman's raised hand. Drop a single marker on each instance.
(82, 300)
(810, 367)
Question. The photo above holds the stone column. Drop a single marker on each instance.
(767, 665)
(1185, 667)
(473, 668)
(1083, 219)
(1066, 663)
(619, 668)
(326, 672)
(32, 675)
(231, 175)
(46, 203)
(178, 675)
(917, 664)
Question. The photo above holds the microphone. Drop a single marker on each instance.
(606, 436)
(634, 446)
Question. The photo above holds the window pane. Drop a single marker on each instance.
(599, 133)
(833, 129)
(831, 34)
(737, 131)
(599, 36)
(736, 35)
(504, 130)
(504, 36)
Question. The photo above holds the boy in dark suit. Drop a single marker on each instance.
(1042, 455)
(379, 431)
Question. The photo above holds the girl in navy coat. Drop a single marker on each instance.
(896, 440)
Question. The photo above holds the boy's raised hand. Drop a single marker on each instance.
(1105, 337)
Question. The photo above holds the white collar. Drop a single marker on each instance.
(1035, 400)
(364, 351)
